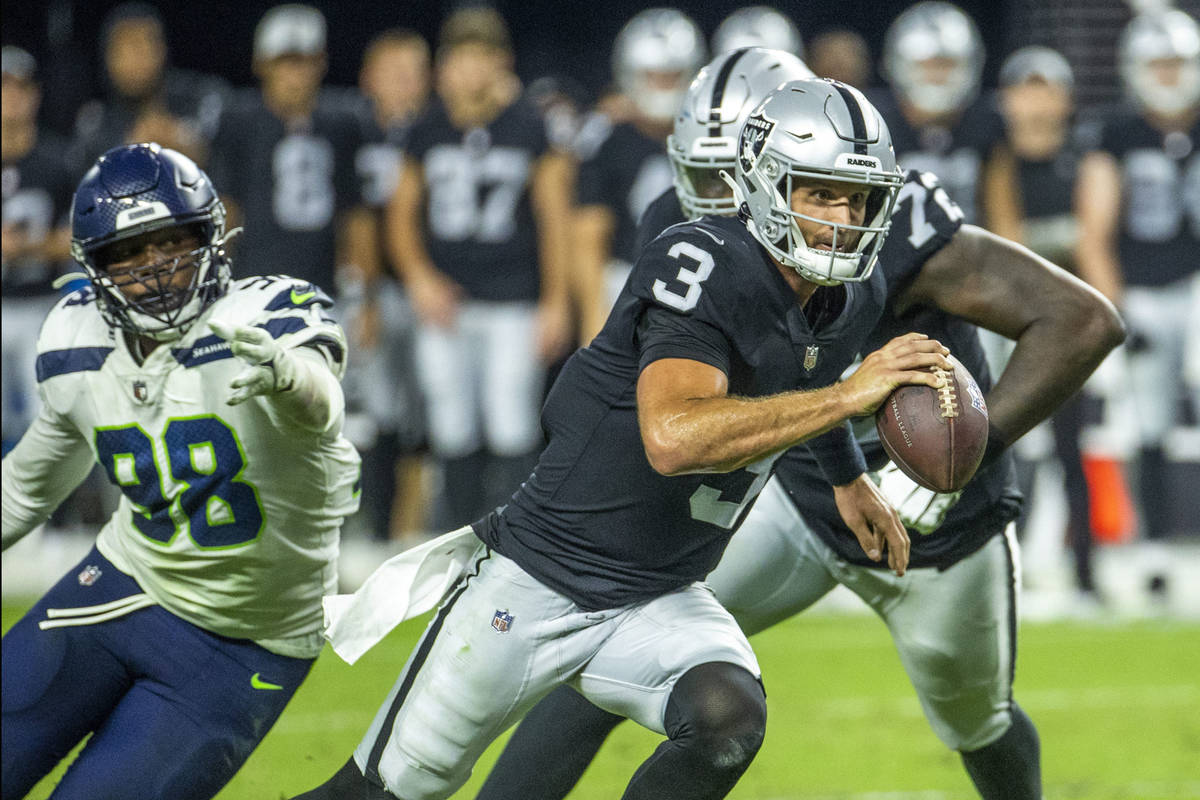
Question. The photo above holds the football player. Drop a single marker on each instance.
(478, 229)
(284, 157)
(654, 58)
(215, 407)
(953, 614)
(36, 239)
(723, 349)
(757, 26)
(1138, 203)
(932, 61)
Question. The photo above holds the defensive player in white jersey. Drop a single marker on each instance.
(216, 408)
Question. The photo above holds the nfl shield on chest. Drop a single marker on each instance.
(502, 621)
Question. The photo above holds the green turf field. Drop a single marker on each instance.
(1117, 705)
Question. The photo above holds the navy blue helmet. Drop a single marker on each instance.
(139, 190)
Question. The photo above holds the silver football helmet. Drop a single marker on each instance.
(654, 58)
(816, 129)
(1148, 44)
(758, 26)
(926, 32)
(704, 140)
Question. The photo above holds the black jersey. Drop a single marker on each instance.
(290, 182)
(925, 221)
(38, 188)
(1159, 238)
(595, 521)
(1047, 190)
(625, 174)
(479, 225)
(955, 154)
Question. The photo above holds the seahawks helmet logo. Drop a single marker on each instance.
(754, 138)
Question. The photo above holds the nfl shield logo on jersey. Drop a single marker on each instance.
(810, 357)
(502, 621)
(91, 573)
(139, 391)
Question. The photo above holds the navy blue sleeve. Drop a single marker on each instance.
(838, 454)
(665, 334)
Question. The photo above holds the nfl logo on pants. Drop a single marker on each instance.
(502, 621)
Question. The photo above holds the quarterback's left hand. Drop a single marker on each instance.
(921, 509)
(272, 368)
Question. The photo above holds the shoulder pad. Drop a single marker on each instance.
(293, 311)
(74, 322)
(926, 218)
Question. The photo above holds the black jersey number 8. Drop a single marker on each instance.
(692, 278)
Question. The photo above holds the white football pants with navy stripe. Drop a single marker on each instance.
(955, 629)
(502, 641)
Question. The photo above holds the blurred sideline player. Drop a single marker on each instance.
(36, 237)
(215, 407)
(757, 26)
(841, 54)
(662, 432)
(478, 229)
(147, 98)
(1139, 213)
(1027, 196)
(932, 61)
(654, 57)
(952, 616)
(395, 80)
(283, 157)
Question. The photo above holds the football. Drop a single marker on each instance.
(936, 436)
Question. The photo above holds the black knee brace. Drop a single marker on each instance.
(719, 711)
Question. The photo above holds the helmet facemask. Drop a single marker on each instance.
(164, 310)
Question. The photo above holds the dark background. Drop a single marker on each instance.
(571, 38)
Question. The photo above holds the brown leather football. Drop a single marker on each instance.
(936, 436)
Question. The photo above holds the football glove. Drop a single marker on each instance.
(271, 368)
(919, 508)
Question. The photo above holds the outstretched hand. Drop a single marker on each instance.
(271, 368)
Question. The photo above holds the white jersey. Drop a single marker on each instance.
(229, 517)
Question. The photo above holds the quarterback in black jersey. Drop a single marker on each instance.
(953, 615)
(719, 354)
(1139, 217)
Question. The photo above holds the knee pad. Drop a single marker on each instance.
(719, 711)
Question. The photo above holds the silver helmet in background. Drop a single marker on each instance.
(705, 136)
(654, 58)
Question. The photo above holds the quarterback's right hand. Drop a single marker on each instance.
(904, 360)
(919, 508)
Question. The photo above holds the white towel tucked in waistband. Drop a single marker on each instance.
(404, 586)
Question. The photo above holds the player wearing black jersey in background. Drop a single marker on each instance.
(662, 431)
(1139, 213)
(284, 157)
(36, 240)
(654, 58)
(952, 616)
(478, 229)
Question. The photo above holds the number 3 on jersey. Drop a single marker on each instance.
(205, 460)
(692, 278)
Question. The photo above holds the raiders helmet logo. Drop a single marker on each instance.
(754, 137)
